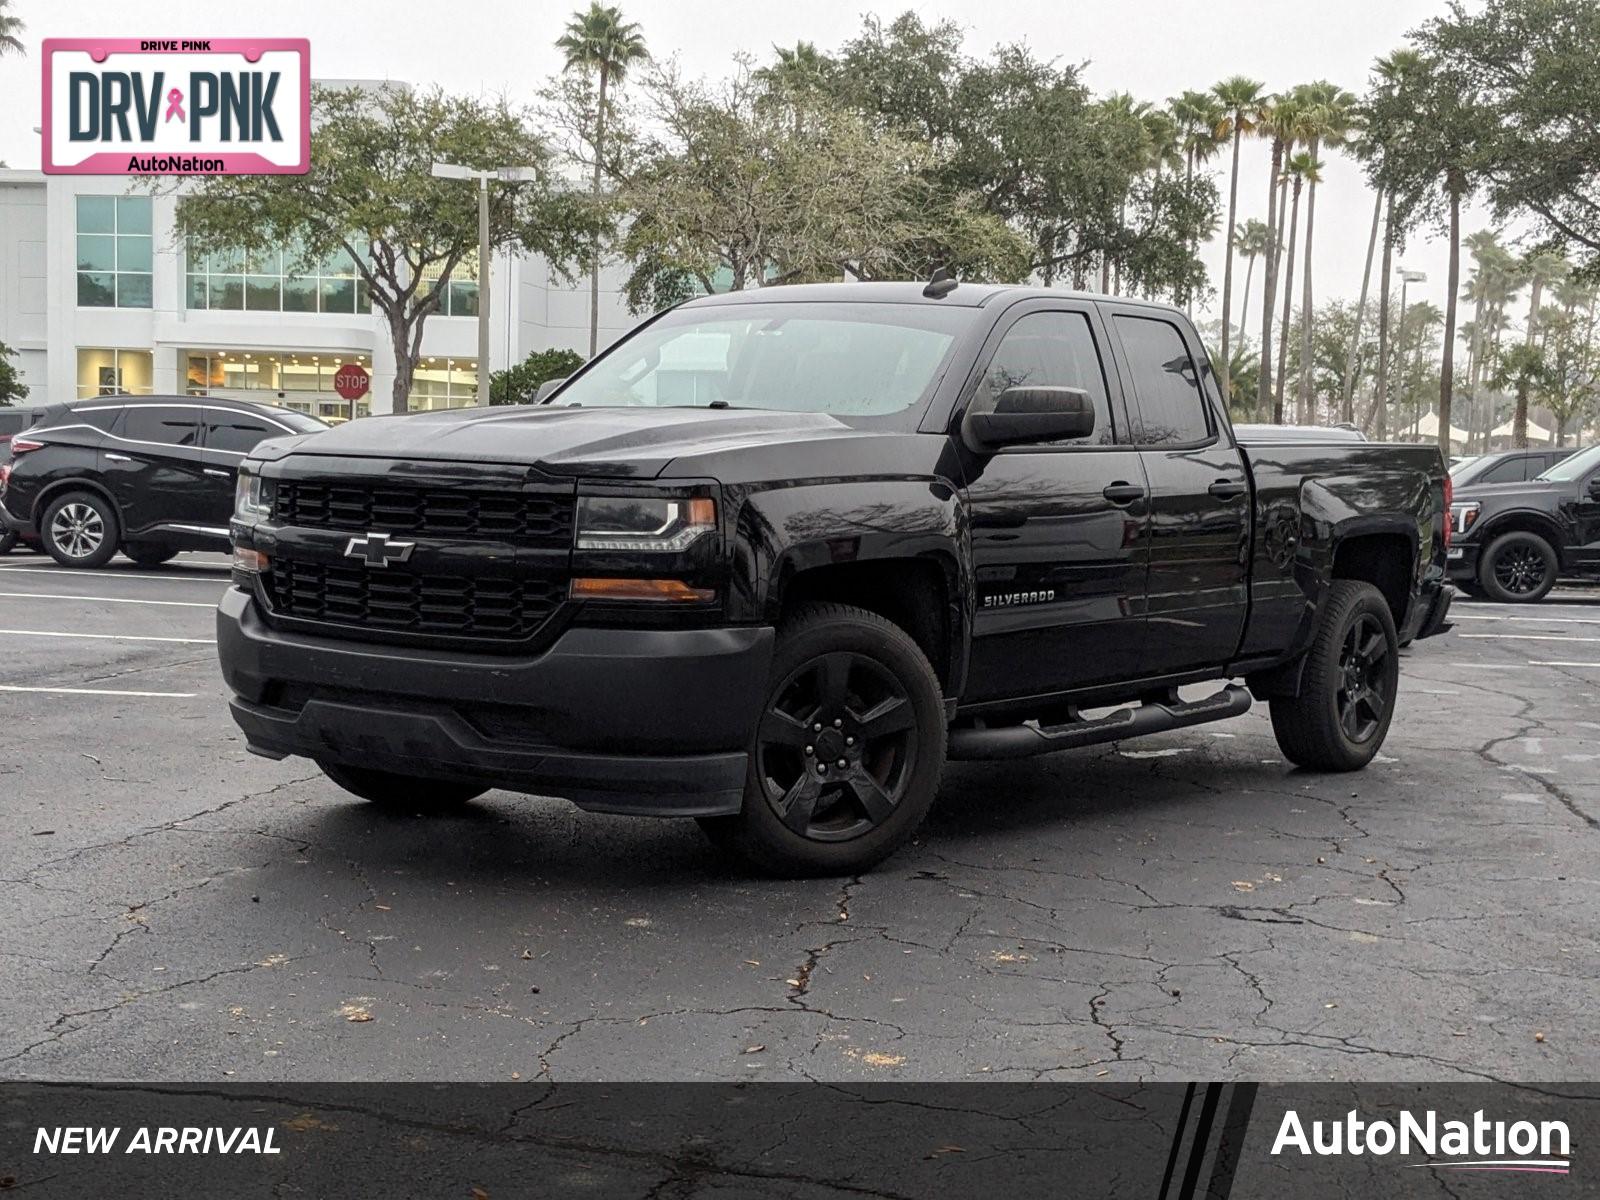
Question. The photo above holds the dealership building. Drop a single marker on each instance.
(98, 294)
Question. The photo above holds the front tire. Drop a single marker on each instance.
(1349, 685)
(1517, 568)
(847, 756)
(149, 554)
(402, 794)
(80, 529)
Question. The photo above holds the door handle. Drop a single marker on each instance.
(1121, 493)
(1227, 489)
(117, 457)
(214, 471)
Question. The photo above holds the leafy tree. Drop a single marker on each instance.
(11, 27)
(601, 44)
(370, 194)
(1521, 370)
(1534, 66)
(730, 195)
(12, 388)
(517, 384)
(1240, 98)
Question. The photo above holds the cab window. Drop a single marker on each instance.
(1051, 349)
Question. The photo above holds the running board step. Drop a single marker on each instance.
(1022, 741)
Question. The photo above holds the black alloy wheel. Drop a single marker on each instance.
(1365, 693)
(1520, 569)
(835, 747)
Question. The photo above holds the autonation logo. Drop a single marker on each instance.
(1476, 1145)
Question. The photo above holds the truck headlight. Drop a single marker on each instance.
(1463, 515)
(643, 523)
(252, 499)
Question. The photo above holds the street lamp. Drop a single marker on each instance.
(1406, 279)
(444, 170)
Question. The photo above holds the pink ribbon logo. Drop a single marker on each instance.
(175, 105)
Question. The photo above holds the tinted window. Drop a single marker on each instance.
(160, 424)
(1171, 410)
(235, 431)
(1511, 470)
(1051, 349)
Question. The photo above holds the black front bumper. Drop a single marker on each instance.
(639, 721)
(18, 525)
(1463, 568)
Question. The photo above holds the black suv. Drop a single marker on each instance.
(1507, 466)
(151, 475)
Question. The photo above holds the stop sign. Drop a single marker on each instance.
(351, 381)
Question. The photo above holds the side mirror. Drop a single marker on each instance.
(1593, 488)
(544, 389)
(1023, 415)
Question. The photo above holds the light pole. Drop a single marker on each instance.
(444, 170)
(1406, 279)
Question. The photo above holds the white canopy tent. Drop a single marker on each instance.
(1427, 430)
(1536, 432)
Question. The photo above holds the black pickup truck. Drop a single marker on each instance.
(775, 555)
(1513, 540)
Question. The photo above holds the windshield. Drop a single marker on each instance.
(1576, 467)
(298, 421)
(1466, 468)
(851, 360)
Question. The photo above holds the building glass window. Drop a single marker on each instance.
(301, 380)
(114, 247)
(444, 383)
(114, 373)
(460, 298)
(274, 280)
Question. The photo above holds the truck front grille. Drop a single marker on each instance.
(386, 601)
(528, 518)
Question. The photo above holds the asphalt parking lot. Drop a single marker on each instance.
(1185, 906)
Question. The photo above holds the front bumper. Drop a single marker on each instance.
(652, 722)
(18, 525)
(1462, 565)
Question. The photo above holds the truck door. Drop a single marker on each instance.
(1199, 497)
(1058, 529)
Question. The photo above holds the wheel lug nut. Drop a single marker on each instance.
(810, 750)
(849, 741)
(837, 722)
(822, 768)
(817, 727)
(843, 764)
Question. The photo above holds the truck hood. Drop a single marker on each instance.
(623, 442)
(1524, 491)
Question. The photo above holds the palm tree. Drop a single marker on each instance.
(1198, 115)
(1326, 118)
(600, 41)
(1365, 151)
(10, 29)
(1251, 240)
(1300, 169)
(1276, 121)
(1521, 369)
(1240, 99)
(1392, 72)
(1543, 268)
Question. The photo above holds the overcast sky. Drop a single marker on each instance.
(1152, 48)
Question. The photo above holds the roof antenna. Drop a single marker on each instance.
(940, 284)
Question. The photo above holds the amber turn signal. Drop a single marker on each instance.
(672, 591)
(249, 560)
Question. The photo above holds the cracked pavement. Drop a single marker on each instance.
(1185, 906)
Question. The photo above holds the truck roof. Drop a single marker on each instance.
(966, 295)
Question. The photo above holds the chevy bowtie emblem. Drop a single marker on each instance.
(376, 550)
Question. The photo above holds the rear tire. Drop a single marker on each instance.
(1518, 568)
(1348, 687)
(847, 687)
(402, 794)
(149, 554)
(80, 529)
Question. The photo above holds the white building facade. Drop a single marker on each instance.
(98, 294)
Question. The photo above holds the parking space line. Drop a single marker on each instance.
(1529, 637)
(105, 599)
(106, 637)
(1535, 663)
(208, 577)
(67, 691)
(1536, 620)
